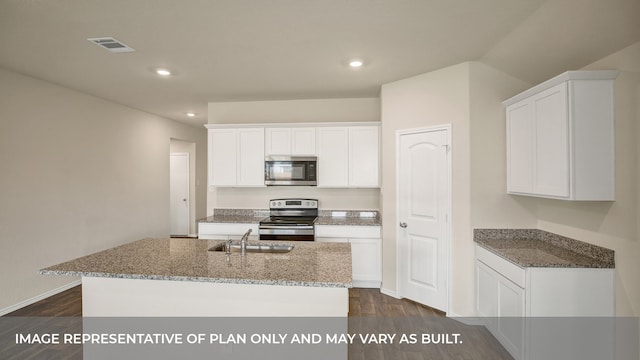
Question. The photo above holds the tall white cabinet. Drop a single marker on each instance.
(560, 138)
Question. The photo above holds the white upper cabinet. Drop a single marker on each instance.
(364, 156)
(236, 157)
(290, 141)
(560, 138)
(333, 157)
(348, 156)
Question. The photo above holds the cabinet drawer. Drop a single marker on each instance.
(506, 268)
(341, 231)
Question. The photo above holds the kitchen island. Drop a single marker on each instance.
(181, 277)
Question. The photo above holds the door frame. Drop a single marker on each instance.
(399, 133)
(188, 156)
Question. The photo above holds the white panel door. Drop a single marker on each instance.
(551, 174)
(179, 193)
(423, 206)
(333, 157)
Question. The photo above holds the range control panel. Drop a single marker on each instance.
(293, 204)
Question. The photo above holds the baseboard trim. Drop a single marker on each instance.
(367, 284)
(473, 321)
(37, 298)
(390, 293)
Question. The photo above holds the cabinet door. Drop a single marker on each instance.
(364, 156)
(303, 141)
(250, 157)
(277, 141)
(333, 157)
(520, 147)
(486, 293)
(551, 142)
(366, 262)
(222, 157)
(511, 316)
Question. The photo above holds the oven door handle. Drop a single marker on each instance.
(295, 227)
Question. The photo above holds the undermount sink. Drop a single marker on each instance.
(255, 248)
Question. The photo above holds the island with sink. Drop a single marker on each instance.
(195, 277)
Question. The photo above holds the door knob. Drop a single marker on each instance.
(184, 199)
(403, 225)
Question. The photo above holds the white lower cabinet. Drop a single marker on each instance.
(366, 251)
(501, 302)
(226, 231)
(517, 304)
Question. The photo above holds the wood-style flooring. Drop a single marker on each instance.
(370, 311)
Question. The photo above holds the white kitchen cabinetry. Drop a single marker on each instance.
(348, 156)
(560, 138)
(236, 157)
(296, 141)
(366, 251)
(226, 231)
(507, 295)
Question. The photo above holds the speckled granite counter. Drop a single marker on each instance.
(239, 216)
(538, 248)
(308, 264)
(349, 217)
(325, 217)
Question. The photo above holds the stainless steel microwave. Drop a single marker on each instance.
(290, 170)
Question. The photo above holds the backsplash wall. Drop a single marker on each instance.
(258, 198)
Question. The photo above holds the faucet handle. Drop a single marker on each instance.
(228, 247)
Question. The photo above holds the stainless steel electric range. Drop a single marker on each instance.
(290, 219)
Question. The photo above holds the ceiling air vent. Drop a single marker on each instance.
(112, 44)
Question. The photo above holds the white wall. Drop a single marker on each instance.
(294, 111)
(435, 98)
(329, 199)
(614, 225)
(78, 174)
(469, 96)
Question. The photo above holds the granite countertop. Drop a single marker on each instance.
(237, 216)
(325, 217)
(349, 217)
(538, 248)
(308, 264)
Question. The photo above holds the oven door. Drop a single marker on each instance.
(289, 233)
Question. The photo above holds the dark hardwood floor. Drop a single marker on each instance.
(66, 303)
(370, 311)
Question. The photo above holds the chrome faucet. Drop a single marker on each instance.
(243, 242)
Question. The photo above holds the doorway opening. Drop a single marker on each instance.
(182, 187)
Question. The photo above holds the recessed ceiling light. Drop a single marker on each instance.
(191, 114)
(163, 72)
(355, 63)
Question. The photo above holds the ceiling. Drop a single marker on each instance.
(235, 50)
